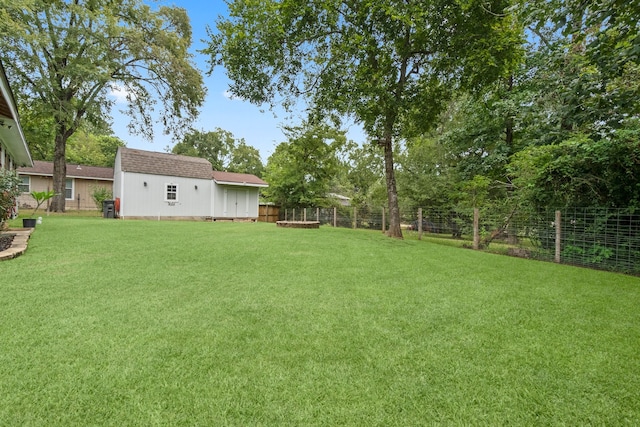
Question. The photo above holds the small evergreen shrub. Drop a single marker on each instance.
(99, 195)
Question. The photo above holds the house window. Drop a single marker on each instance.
(25, 184)
(68, 189)
(171, 193)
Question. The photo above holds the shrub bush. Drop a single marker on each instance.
(8, 192)
(99, 195)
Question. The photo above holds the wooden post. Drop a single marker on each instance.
(304, 216)
(355, 219)
(318, 214)
(419, 223)
(384, 220)
(335, 216)
(476, 228)
(558, 235)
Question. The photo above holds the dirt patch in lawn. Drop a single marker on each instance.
(5, 241)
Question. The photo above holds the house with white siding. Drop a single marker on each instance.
(13, 146)
(156, 185)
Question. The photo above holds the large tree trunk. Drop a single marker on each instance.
(392, 193)
(59, 172)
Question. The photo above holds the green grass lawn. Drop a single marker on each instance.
(106, 322)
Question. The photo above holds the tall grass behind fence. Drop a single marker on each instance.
(606, 239)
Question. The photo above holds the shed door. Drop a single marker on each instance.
(236, 203)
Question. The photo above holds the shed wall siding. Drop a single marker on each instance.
(235, 201)
(138, 200)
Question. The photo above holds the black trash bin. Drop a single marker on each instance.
(108, 208)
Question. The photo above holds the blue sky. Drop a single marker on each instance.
(257, 125)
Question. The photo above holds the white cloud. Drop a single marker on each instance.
(120, 94)
(228, 95)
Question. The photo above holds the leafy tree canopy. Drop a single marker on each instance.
(366, 176)
(391, 64)
(424, 178)
(221, 149)
(96, 150)
(65, 57)
(582, 172)
(301, 170)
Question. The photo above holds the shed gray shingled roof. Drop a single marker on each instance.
(140, 161)
(41, 168)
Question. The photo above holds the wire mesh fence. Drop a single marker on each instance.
(606, 239)
(603, 238)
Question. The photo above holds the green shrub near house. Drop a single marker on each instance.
(99, 194)
(9, 191)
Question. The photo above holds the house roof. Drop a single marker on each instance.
(243, 179)
(150, 162)
(11, 134)
(41, 168)
(339, 196)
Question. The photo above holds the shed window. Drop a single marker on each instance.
(25, 184)
(171, 192)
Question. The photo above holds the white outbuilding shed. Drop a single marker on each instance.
(156, 185)
(236, 195)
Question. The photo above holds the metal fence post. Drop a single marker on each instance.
(335, 216)
(304, 216)
(419, 223)
(558, 236)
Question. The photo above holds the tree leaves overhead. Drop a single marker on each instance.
(90, 149)
(551, 135)
(363, 57)
(65, 57)
(301, 170)
(582, 172)
(70, 55)
(390, 64)
(223, 151)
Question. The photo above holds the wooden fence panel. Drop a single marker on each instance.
(267, 213)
